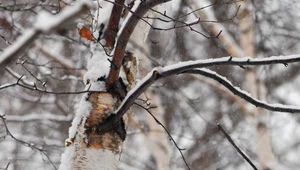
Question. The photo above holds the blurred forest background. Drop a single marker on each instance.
(187, 105)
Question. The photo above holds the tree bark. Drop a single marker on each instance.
(93, 149)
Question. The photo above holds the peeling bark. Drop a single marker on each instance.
(93, 148)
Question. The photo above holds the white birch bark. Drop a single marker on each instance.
(157, 142)
(94, 151)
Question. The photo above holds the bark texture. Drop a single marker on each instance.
(93, 148)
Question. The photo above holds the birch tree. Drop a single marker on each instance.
(114, 37)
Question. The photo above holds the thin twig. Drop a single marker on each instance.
(235, 146)
(32, 146)
(21, 83)
(218, 126)
(166, 130)
(39, 80)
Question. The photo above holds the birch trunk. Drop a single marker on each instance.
(255, 87)
(257, 90)
(89, 147)
(92, 150)
(157, 141)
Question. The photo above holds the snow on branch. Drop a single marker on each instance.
(245, 61)
(184, 67)
(243, 94)
(45, 23)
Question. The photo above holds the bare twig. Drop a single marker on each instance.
(189, 25)
(32, 146)
(210, 5)
(32, 86)
(214, 125)
(235, 146)
(36, 78)
(227, 40)
(166, 130)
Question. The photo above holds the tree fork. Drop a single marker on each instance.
(118, 56)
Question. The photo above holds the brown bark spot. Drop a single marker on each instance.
(103, 104)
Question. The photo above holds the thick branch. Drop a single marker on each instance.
(142, 9)
(112, 28)
(185, 67)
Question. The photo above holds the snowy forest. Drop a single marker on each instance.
(149, 84)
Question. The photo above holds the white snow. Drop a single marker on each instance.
(67, 157)
(98, 66)
(82, 111)
(234, 61)
(275, 105)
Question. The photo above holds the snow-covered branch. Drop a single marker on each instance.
(243, 94)
(184, 67)
(45, 23)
